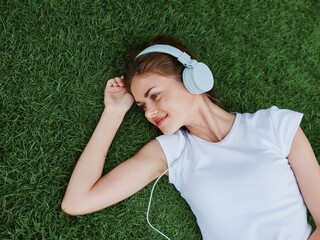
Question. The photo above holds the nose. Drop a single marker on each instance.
(151, 111)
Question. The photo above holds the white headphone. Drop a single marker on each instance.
(197, 77)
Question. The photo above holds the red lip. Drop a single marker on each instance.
(160, 120)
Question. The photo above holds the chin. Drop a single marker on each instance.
(170, 127)
(169, 131)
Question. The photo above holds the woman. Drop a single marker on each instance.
(245, 176)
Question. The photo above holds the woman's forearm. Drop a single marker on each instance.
(91, 162)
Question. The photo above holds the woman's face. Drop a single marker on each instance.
(165, 101)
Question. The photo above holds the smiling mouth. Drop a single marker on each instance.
(161, 120)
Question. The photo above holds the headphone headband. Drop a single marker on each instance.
(182, 57)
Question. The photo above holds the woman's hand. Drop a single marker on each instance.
(116, 96)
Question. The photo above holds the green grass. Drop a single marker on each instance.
(55, 58)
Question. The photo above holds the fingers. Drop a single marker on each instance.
(115, 85)
(119, 81)
(115, 82)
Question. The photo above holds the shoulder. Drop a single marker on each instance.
(280, 118)
(273, 116)
(178, 138)
(277, 125)
(152, 148)
(152, 153)
(172, 145)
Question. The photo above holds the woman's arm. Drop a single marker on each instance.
(88, 190)
(307, 172)
(315, 235)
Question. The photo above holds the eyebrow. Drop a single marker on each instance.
(146, 93)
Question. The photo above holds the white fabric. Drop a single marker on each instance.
(241, 187)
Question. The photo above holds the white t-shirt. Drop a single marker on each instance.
(241, 187)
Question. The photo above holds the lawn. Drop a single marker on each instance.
(55, 59)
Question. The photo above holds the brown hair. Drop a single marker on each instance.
(160, 63)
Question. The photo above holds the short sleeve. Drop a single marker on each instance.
(285, 124)
(172, 146)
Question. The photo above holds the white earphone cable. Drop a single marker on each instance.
(149, 205)
(153, 187)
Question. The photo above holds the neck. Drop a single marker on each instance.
(208, 121)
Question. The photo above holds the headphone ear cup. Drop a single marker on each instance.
(198, 79)
(188, 81)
